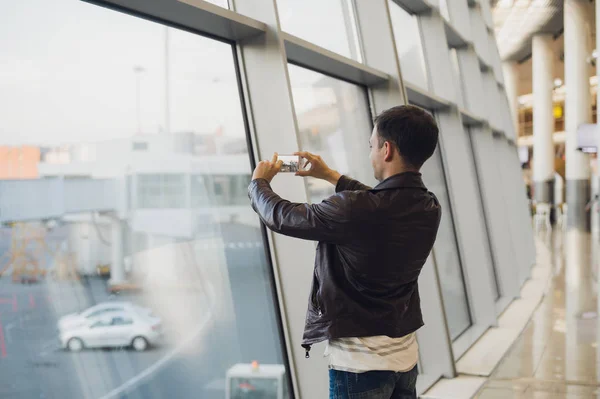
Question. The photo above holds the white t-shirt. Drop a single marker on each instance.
(359, 355)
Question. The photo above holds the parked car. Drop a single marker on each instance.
(114, 329)
(74, 320)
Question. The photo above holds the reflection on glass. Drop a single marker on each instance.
(334, 122)
(446, 252)
(409, 46)
(124, 213)
(330, 24)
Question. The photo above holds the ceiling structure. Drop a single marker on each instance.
(515, 22)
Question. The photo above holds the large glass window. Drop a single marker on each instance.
(334, 122)
(409, 46)
(330, 24)
(128, 167)
(446, 253)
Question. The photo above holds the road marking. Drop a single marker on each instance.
(2, 343)
(147, 372)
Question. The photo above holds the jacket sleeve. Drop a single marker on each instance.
(327, 221)
(346, 183)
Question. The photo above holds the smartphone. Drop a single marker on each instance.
(291, 163)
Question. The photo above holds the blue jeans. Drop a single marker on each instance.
(373, 385)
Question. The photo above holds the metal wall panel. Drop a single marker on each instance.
(517, 208)
(479, 34)
(471, 232)
(472, 82)
(459, 17)
(490, 185)
(462, 184)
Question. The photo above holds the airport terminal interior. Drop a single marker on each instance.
(132, 265)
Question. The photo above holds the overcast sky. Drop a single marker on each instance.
(66, 72)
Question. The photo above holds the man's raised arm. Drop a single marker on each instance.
(320, 170)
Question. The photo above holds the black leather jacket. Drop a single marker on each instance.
(373, 243)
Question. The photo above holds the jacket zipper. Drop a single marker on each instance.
(317, 306)
(307, 349)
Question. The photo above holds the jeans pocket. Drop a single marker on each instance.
(406, 384)
(370, 385)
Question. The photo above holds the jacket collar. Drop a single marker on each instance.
(401, 180)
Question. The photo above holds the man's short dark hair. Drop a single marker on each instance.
(411, 130)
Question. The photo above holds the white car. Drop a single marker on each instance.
(74, 320)
(114, 330)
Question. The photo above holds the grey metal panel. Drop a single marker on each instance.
(490, 184)
(437, 57)
(491, 100)
(306, 54)
(462, 184)
(469, 119)
(470, 228)
(455, 38)
(486, 11)
(380, 52)
(517, 207)
(523, 213)
(505, 114)
(497, 61)
(414, 6)
(483, 65)
(425, 99)
(196, 15)
(480, 37)
(460, 19)
(472, 82)
(435, 350)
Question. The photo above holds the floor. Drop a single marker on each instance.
(556, 356)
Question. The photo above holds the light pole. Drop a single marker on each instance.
(138, 70)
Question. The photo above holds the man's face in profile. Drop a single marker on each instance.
(377, 155)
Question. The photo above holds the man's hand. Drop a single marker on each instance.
(318, 168)
(267, 169)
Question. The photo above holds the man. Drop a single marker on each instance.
(373, 243)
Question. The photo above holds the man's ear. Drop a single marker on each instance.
(389, 152)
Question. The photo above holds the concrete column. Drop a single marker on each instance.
(509, 69)
(543, 120)
(117, 264)
(577, 110)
